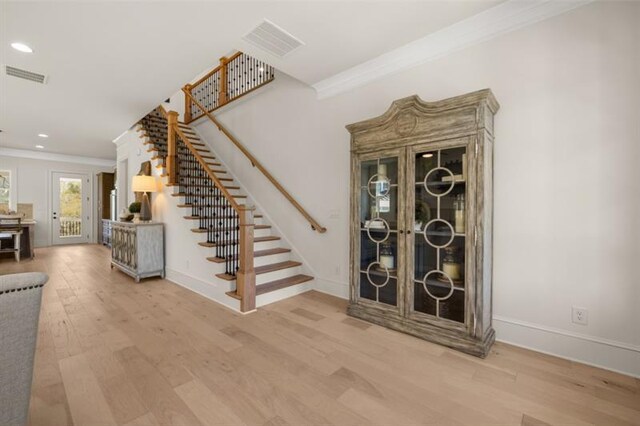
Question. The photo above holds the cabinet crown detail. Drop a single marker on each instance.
(411, 118)
(422, 218)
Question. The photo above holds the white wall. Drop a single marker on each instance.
(34, 186)
(566, 176)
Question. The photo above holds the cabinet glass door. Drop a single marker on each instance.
(439, 234)
(378, 223)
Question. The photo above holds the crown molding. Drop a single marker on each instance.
(49, 156)
(501, 19)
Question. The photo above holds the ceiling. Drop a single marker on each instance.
(108, 63)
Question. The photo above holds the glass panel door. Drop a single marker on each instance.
(379, 222)
(71, 207)
(439, 237)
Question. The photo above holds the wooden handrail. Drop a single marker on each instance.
(223, 63)
(235, 77)
(254, 161)
(207, 169)
(245, 276)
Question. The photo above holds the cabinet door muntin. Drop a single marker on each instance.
(440, 204)
(377, 229)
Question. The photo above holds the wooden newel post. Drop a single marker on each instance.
(172, 149)
(246, 276)
(187, 104)
(222, 93)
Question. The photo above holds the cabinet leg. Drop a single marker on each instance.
(137, 279)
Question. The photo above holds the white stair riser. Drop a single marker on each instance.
(284, 293)
(274, 258)
(276, 275)
(265, 232)
(264, 245)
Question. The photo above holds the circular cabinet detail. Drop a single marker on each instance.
(406, 124)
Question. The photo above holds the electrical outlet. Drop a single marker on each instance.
(579, 315)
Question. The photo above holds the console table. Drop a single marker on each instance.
(27, 239)
(137, 249)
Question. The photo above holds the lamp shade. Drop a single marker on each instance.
(144, 184)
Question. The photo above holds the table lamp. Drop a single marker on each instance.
(144, 184)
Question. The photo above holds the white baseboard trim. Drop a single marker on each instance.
(206, 289)
(603, 353)
(620, 357)
(334, 288)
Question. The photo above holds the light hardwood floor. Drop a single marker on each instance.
(112, 352)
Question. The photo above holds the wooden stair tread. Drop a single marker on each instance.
(259, 253)
(276, 285)
(255, 240)
(194, 217)
(182, 194)
(195, 161)
(208, 163)
(265, 269)
(204, 231)
(208, 196)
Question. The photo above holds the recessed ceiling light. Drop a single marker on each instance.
(21, 47)
(42, 135)
(39, 146)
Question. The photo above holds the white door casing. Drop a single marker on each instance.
(70, 228)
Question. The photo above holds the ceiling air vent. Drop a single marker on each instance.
(273, 39)
(24, 74)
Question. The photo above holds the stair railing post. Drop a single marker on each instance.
(187, 105)
(246, 275)
(222, 94)
(172, 149)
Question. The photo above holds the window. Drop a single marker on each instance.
(5, 190)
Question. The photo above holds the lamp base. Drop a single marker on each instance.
(145, 208)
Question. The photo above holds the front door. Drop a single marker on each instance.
(71, 207)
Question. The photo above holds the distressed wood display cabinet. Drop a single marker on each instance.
(421, 219)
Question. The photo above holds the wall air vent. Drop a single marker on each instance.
(24, 74)
(273, 39)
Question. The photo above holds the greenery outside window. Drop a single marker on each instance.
(5, 191)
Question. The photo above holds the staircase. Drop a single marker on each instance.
(211, 216)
